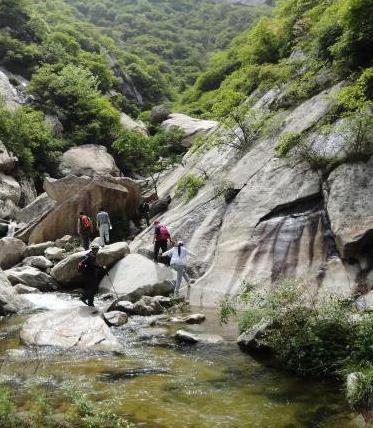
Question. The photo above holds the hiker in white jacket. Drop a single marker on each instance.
(178, 262)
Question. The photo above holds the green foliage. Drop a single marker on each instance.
(313, 340)
(334, 34)
(8, 415)
(72, 92)
(357, 95)
(25, 133)
(175, 35)
(188, 186)
(360, 396)
(287, 142)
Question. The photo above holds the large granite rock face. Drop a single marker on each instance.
(82, 328)
(12, 97)
(191, 126)
(66, 271)
(11, 252)
(119, 195)
(135, 276)
(275, 225)
(90, 159)
(350, 208)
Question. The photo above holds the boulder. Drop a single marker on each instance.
(7, 161)
(55, 253)
(32, 277)
(120, 195)
(123, 306)
(132, 125)
(65, 242)
(66, 271)
(25, 289)
(10, 195)
(89, 159)
(149, 333)
(136, 276)
(146, 306)
(11, 96)
(251, 340)
(191, 126)
(62, 189)
(55, 125)
(37, 249)
(187, 337)
(12, 251)
(365, 303)
(350, 207)
(39, 262)
(115, 318)
(82, 328)
(10, 303)
(189, 319)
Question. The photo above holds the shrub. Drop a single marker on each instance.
(188, 186)
(287, 142)
(360, 394)
(359, 94)
(312, 340)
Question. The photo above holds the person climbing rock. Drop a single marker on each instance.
(91, 272)
(160, 239)
(144, 212)
(85, 229)
(103, 226)
(178, 262)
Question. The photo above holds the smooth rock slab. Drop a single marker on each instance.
(82, 328)
(184, 336)
(32, 277)
(115, 318)
(251, 339)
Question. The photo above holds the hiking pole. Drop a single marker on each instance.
(112, 284)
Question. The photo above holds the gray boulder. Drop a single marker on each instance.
(55, 253)
(10, 303)
(39, 262)
(187, 337)
(191, 126)
(189, 319)
(37, 249)
(115, 318)
(82, 328)
(66, 271)
(25, 289)
(90, 159)
(12, 251)
(7, 161)
(123, 306)
(32, 277)
(10, 195)
(136, 276)
(132, 125)
(252, 340)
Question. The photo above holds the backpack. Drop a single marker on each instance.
(82, 265)
(86, 222)
(163, 233)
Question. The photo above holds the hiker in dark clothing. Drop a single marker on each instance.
(144, 212)
(85, 229)
(160, 239)
(91, 272)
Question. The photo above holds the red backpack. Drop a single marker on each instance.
(86, 222)
(164, 233)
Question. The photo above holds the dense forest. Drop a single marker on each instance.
(88, 63)
(304, 40)
(175, 35)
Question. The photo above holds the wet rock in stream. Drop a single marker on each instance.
(132, 373)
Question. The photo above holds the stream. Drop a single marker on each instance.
(159, 384)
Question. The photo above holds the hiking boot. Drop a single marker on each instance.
(82, 299)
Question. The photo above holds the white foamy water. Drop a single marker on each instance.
(52, 301)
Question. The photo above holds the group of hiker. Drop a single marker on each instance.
(92, 271)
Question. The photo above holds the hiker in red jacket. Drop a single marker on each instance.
(160, 239)
(85, 229)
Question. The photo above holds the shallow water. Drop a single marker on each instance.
(158, 384)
